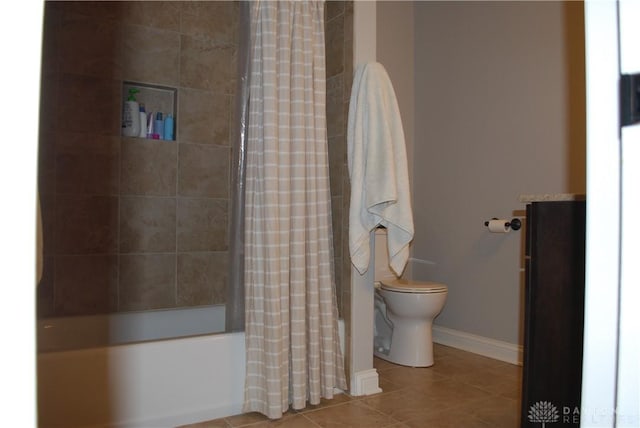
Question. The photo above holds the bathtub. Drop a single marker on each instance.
(125, 370)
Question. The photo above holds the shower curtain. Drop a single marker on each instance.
(291, 316)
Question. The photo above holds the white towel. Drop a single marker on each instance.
(378, 169)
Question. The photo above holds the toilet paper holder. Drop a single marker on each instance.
(514, 224)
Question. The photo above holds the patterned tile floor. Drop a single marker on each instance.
(461, 390)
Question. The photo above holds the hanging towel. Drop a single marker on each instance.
(378, 169)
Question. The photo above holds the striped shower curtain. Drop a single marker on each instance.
(292, 344)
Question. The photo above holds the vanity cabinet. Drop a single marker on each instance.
(554, 313)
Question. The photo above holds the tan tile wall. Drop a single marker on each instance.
(137, 224)
(339, 63)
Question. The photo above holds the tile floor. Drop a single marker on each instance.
(461, 390)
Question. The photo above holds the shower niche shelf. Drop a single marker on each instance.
(155, 98)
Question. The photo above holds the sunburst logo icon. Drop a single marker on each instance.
(543, 412)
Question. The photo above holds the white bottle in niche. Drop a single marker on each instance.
(143, 122)
(131, 115)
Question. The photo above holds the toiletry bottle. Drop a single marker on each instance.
(143, 122)
(159, 126)
(150, 123)
(168, 127)
(131, 115)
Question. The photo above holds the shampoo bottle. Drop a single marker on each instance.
(159, 126)
(131, 115)
(143, 122)
(168, 127)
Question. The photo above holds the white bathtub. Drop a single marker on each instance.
(157, 383)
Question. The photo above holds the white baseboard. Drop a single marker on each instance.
(365, 382)
(496, 349)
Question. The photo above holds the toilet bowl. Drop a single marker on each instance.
(404, 320)
(404, 312)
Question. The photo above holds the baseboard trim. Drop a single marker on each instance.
(365, 382)
(496, 349)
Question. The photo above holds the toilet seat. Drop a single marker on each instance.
(417, 287)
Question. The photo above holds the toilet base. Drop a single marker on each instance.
(401, 361)
(411, 345)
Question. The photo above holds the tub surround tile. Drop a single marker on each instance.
(86, 224)
(213, 20)
(204, 117)
(163, 15)
(205, 64)
(50, 39)
(336, 148)
(334, 9)
(348, 52)
(49, 89)
(45, 289)
(89, 46)
(202, 278)
(87, 164)
(91, 104)
(48, 210)
(82, 89)
(85, 285)
(106, 10)
(102, 193)
(204, 171)
(202, 224)
(150, 55)
(334, 45)
(346, 316)
(336, 228)
(147, 224)
(147, 282)
(339, 72)
(336, 117)
(149, 167)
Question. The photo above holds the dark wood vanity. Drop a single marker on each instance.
(554, 313)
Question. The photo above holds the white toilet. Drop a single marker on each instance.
(404, 313)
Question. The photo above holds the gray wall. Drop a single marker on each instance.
(498, 93)
(394, 50)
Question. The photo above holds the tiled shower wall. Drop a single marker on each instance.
(339, 63)
(137, 224)
(131, 223)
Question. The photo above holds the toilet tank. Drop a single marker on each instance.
(382, 269)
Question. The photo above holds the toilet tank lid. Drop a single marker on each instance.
(409, 286)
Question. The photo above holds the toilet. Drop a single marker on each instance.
(404, 313)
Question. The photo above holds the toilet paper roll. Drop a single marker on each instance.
(498, 226)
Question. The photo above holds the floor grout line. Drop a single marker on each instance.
(485, 397)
